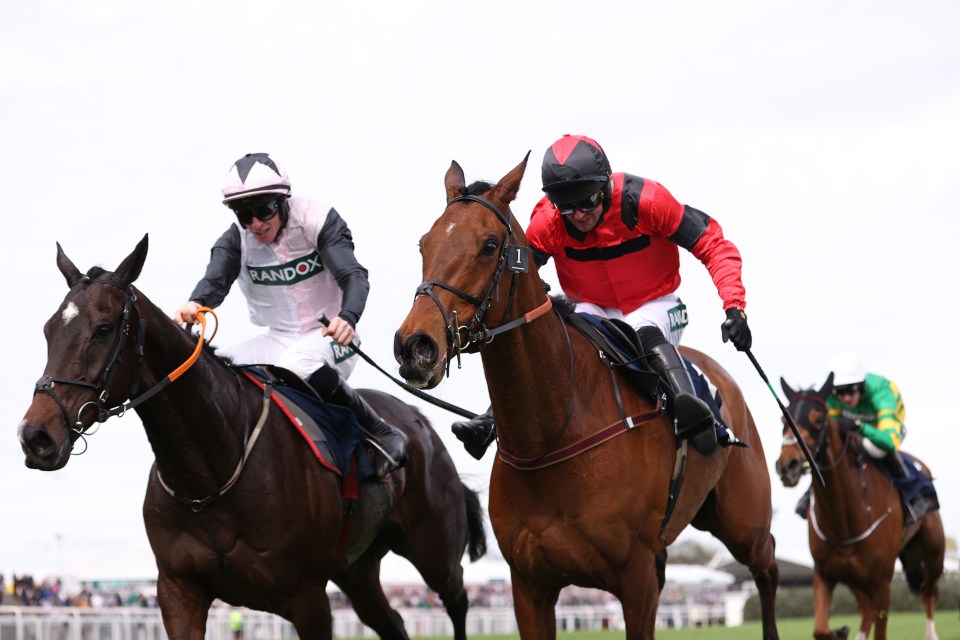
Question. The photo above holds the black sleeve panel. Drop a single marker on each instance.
(692, 226)
(335, 244)
(540, 257)
(630, 200)
(222, 270)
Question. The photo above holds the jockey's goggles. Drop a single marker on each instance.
(262, 210)
(587, 204)
(847, 390)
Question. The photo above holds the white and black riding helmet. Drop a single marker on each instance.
(252, 175)
(256, 181)
(575, 167)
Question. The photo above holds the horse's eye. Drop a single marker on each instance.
(489, 247)
(104, 330)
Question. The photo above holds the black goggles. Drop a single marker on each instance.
(586, 204)
(847, 390)
(264, 210)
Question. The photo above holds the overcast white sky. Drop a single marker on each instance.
(822, 136)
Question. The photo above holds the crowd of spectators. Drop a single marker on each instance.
(23, 590)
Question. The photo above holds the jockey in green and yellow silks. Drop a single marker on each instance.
(875, 405)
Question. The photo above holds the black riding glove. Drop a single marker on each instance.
(846, 424)
(735, 329)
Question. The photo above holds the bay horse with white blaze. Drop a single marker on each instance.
(564, 512)
(261, 526)
(855, 523)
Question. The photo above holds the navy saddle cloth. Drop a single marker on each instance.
(333, 430)
(915, 484)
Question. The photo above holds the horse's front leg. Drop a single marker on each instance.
(867, 618)
(183, 606)
(822, 596)
(639, 595)
(534, 606)
(881, 609)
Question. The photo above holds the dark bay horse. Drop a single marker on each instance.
(856, 524)
(257, 522)
(594, 518)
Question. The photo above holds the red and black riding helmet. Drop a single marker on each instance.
(574, 167)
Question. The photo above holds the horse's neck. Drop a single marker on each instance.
(195, 424)
(843, 499)
(528, 373)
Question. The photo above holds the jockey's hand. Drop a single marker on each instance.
(341, 331)
(735, 329)
(187, 312)
(846, 424)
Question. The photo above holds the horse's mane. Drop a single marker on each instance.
(564, 305)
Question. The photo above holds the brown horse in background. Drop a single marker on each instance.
(260, 526)
(856, 524)
(596, 517)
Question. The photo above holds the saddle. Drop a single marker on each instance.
(620, 345)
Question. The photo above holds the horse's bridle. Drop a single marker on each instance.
(513, 257)
(46, 384)
(819, 433)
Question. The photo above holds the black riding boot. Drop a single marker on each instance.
(917, 506)
(388, 440)
(895, 465)
(476, 434)
(694, 418)
(803, 505)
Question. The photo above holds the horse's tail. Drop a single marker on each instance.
(477, 535)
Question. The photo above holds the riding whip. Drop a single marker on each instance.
(789, 419)
(417, 392)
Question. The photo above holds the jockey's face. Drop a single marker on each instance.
(849, 395)
(585, 221)
(264, 232)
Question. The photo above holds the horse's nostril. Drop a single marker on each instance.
(422, 349)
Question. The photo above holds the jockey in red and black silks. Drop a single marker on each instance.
(631, 256)
(615, 238)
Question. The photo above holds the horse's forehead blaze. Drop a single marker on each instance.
(450, 227)
(69, 313)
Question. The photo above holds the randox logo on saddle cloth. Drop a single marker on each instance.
(289, 273)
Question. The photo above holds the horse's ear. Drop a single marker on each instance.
(506, 190)
(129, 269)
(67, 268)
(786, 388)
(827, 387)
(454, 181)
